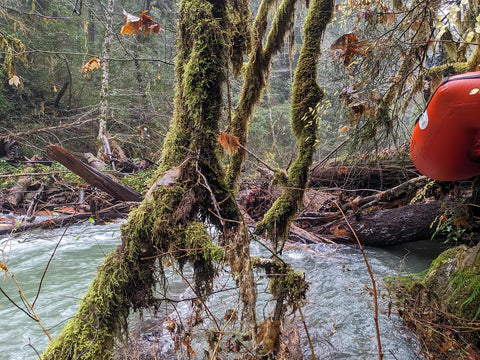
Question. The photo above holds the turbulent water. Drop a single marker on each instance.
(339, 313)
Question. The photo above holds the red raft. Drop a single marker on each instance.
(445, 143)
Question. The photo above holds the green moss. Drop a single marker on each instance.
(138, 181)
(449, 293)
(239, 33)
(91, 333)
(256, 72)
(306, 95)
(199, 243)
(289, 285)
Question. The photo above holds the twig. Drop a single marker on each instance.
(257, 158)
(223, 329)
(307, 333)
(48, 129)
(33, 315)
(375, 299)
(48, 263)
(35, 174)
(324, 160)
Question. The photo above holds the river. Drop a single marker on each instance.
(339, 312)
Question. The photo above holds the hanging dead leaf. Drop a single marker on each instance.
(92, 64)
(461, 221)
(349, 46)
(188, 346)
(14, 81)
(135, 24)
(230, 143)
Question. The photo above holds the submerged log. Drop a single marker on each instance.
(93, 176)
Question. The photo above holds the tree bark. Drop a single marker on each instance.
(384, 227)
(92, 175)
(106, 69)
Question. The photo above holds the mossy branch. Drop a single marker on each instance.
(255, 74)
(306, 95)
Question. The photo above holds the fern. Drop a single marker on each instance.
(468, 282)
(475, 294)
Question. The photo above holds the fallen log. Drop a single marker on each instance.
(114, 212)
(92, 175)
(396, 192)
(18, 191)
(384, 227)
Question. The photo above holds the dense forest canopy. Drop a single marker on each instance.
(368, 91)
(288, 82)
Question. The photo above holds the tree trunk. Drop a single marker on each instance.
(92, 175)
(102, 126)
(384, 227)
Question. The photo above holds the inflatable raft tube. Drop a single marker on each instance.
(445, 143)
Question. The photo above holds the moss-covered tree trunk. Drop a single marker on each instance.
(189, 188)
(256, 73)
(188, 182)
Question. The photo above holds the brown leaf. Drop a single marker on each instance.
(230, 143)
(135, 24)
(349, 46)
(92, 64)
(461, 221)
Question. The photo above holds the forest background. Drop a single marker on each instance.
(46, 44)
(70, 76)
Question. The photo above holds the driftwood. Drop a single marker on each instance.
(381, 174)
(18, 191)
(93, 176)
(388, 195)
(113, 212)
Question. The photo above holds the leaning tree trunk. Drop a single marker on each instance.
(166, 223)
(189, 190)
(306, 96)
(256, 73)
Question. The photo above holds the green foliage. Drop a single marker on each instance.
(6, 169)
(140, 180)
(465, 297)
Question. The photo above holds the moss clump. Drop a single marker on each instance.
(443, 307)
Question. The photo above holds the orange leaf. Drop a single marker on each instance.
(129, 28)
(92, 64)
(349, 46)
(337, 231)
(461, 221)
(343, 170)
(230, 143)
(135, 23)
